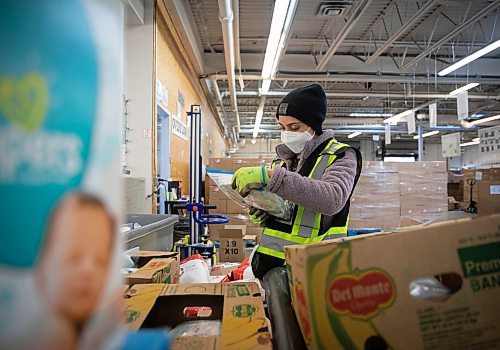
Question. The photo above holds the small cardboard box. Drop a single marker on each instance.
(423, 167)
(231, 248)
(221, 163)
(223, 269)
(488, 197)
(355, 293)
(220, 203)
(233, 208)
(156, 271)
(238, 305)
(142, 257)
(216, 193)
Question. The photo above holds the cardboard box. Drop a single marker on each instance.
(221, 205)
(429, 201)
(142, 257)
(233, 208)
(371, 166)
(348, 295)
(488, 197)
(231, 248)
(223, 269)
(238, 305)
(426, 167)
(155, 271)
(492, 174)
(221, 163)
(216, 193)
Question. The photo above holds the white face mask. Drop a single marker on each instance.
(296, 141)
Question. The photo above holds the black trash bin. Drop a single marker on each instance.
(286, 330)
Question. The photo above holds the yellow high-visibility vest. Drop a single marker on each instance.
(306, 223)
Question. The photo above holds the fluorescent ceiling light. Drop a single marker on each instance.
(398, 117)
(463, 89)
(266, 84)
(466, 60)
(484, 120)
(277, 35)
(258, 117)
(427, 134)
(354, 134)
(472, 143)
(477, 139)
(370, 115)
(258, 120)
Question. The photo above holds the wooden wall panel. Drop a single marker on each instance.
(176, 73)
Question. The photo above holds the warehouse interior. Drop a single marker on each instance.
(384, 233)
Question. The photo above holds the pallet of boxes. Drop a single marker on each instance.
(485, 192)
(237, 215)
(390, 195)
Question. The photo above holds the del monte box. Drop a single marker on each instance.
(433, 287)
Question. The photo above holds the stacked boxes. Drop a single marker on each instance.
(213, 193)
(423, 189)
(491, 174)
(225, 206)
(387, 192)
(376, 201)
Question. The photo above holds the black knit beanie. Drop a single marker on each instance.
(307, 104)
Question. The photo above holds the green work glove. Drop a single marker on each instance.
(258, 216)
(249, 178)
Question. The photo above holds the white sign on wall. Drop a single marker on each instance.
(179, 128)
(450, 145)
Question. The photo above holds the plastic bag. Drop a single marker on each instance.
(261, 198)
(194, 270)
(197, 328)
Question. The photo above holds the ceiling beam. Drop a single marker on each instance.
(303, 41)
(491, 7)
(379, 18)
(368, 77)
(373, 94)
(424, 10)
(356, 15)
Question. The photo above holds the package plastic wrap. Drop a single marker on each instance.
(428, 288)
(388, 195)
(197, 328)
(261, 198)
(194, 270)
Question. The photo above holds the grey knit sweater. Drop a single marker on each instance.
(328, 195)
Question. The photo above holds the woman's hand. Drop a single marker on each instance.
(258, 216)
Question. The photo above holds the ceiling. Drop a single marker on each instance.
(376, 56)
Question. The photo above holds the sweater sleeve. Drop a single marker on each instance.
(328, 195)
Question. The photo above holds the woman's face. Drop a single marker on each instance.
(288, 123)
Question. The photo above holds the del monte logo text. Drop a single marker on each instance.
(361, 295)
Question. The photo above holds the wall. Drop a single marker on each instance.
(176, 74)
(138, 89)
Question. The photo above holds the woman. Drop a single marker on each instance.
(311, 170)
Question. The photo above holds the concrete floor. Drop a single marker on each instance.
(459, 214)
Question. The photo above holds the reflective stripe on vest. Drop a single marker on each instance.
(307, 223)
